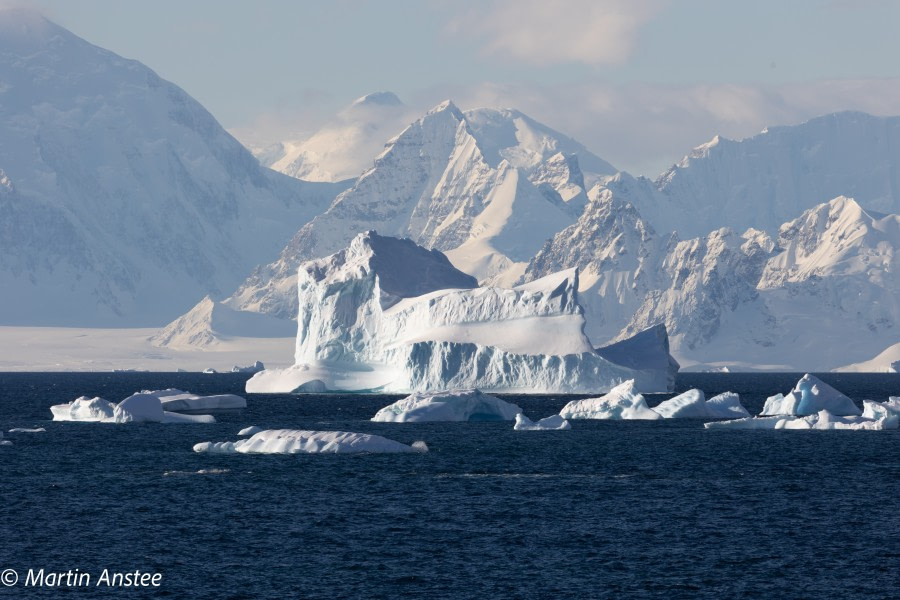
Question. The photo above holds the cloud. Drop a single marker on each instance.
(541, 33)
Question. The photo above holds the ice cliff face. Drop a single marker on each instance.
(387, 315)
(486, 186)
(123, 200)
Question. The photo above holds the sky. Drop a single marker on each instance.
(639, 82)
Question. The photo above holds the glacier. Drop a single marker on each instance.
(452, 405)
(295, 441)
(387, 315)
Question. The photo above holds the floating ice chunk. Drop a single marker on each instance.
(726, 405)
(808, 397)
(554, 422)
(293, 441)
(822, 420)
(622, 402)
(690, 404)
(210, 371)
(253, 429)
(25, 430)
(176, 400)
(84, 409)
(452, 405)
(878, 410)
(254, 368)
(139, 408)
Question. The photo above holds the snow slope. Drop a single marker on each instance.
(123, 200)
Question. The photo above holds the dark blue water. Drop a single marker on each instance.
(609, 509)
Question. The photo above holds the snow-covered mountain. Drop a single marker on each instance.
(823, 294)
(123, 201)
(769, 179)
(486, 186)
(345, 146)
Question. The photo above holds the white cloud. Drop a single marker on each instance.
(538, 32)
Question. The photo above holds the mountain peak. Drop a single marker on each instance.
(445, 106)
(378, 99)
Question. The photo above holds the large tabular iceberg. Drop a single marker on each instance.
(621, 403)
(808, 397)
(295, 441)
(387, 315)
(453, 405)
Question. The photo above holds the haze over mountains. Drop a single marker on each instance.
(125, 204)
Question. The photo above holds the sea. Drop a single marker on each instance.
(626, 509)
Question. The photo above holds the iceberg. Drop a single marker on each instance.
(453, 405)
(253, 429)
(808, 397)
(690, 404)
(254, 368)
(84, 409)
(387, 315)
(822, 420)
(551, 423)
(726, 405)
(176, 400)
(878, 410)
(138, 408)
(294, 441)
(621, 403)
(693, 404)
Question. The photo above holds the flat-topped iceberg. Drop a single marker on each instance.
(295, 441)
(693, 404)
(822, 420)
(137, 408)
(387, 315)
(452, 405)
(175, 400)
(808, 397)
(551, 423)
(621, 403)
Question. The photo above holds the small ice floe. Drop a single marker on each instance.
(294, 441)
(621, 403)
(210, 371)
(822, 420)
(810, 396)
(27, 430)
(199, 472)
(249, 430)
(551, 423)
(878, 410)
(452, 405)
(137, 408)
